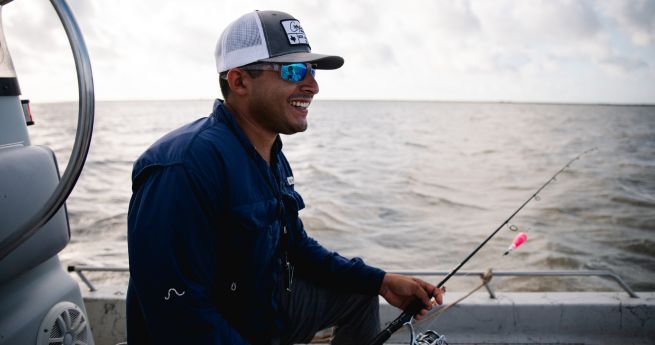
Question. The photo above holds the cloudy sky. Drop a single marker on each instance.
(486, 50)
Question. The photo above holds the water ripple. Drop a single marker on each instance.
(414, 185)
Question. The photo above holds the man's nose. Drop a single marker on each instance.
(309, 84)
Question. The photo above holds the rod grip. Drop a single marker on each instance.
(381, 337)
(412, 309)
(415, 307)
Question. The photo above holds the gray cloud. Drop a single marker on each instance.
(510, 62)
(624, 64)
(636, 18)
(575, 18)
(539, 23)
(31, 23)
(35, 37)
(455, 17)
(456, 43)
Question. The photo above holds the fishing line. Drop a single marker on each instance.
(415, 307)
(431, 337)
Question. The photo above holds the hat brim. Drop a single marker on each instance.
(321, 61)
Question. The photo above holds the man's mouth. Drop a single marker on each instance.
(302, 104)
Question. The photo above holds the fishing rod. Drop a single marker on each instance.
(415, 306)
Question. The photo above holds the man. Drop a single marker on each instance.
(218, 254)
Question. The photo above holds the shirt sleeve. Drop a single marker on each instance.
(330, 269)
(173, 258)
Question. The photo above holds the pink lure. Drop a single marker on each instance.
(518, 240)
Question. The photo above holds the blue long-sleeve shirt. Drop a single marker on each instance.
(206, 244)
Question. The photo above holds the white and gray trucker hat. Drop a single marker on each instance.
(267, 36)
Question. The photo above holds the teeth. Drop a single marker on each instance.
(300, 104)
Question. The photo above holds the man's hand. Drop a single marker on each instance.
(400, 290)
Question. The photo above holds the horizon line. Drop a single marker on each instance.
(542, 102)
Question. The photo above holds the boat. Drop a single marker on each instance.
(41, 302)
(485, 317)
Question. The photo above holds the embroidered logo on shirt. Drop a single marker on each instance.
(177, 293)
(295, 33)
(290, 181)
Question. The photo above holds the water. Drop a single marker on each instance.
(414, 185)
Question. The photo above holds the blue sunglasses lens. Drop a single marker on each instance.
(295, 72)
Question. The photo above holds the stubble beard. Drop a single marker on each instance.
(276, 121)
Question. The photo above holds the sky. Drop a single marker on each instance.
(486, 50)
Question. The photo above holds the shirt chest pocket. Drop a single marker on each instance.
(256, 217)
(252, 240)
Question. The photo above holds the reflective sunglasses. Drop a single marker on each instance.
(293, 72)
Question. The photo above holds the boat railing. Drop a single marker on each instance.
(561, 273)
(79, 270)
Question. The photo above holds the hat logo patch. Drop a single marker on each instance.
(295, 33)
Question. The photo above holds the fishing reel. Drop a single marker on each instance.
(428, 338)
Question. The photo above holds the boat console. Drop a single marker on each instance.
(40, 302)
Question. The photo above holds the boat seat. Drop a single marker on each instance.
(28, 176)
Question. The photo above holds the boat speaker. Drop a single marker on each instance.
(65, 324)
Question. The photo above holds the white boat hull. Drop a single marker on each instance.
(510, 318)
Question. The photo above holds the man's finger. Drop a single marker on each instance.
(438, 295)
(422, 295)
(425, 285)
(427, 288)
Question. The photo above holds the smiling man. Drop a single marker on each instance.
(218, 253)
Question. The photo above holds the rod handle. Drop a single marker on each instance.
(412, 309)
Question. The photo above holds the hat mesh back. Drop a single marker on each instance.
(241, 43)
(243, 35)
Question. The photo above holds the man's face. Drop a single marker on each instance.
(280, 106)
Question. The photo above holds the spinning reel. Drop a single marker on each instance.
(428, 338)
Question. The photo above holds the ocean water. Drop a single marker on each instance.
(413, 185)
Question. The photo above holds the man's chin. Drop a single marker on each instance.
(295, 129)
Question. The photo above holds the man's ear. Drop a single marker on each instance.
(239, 81)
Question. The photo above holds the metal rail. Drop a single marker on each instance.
(590, 273)
(82, 138)
(80, 269)
(569, 273)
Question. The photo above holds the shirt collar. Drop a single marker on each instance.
(223, 114)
